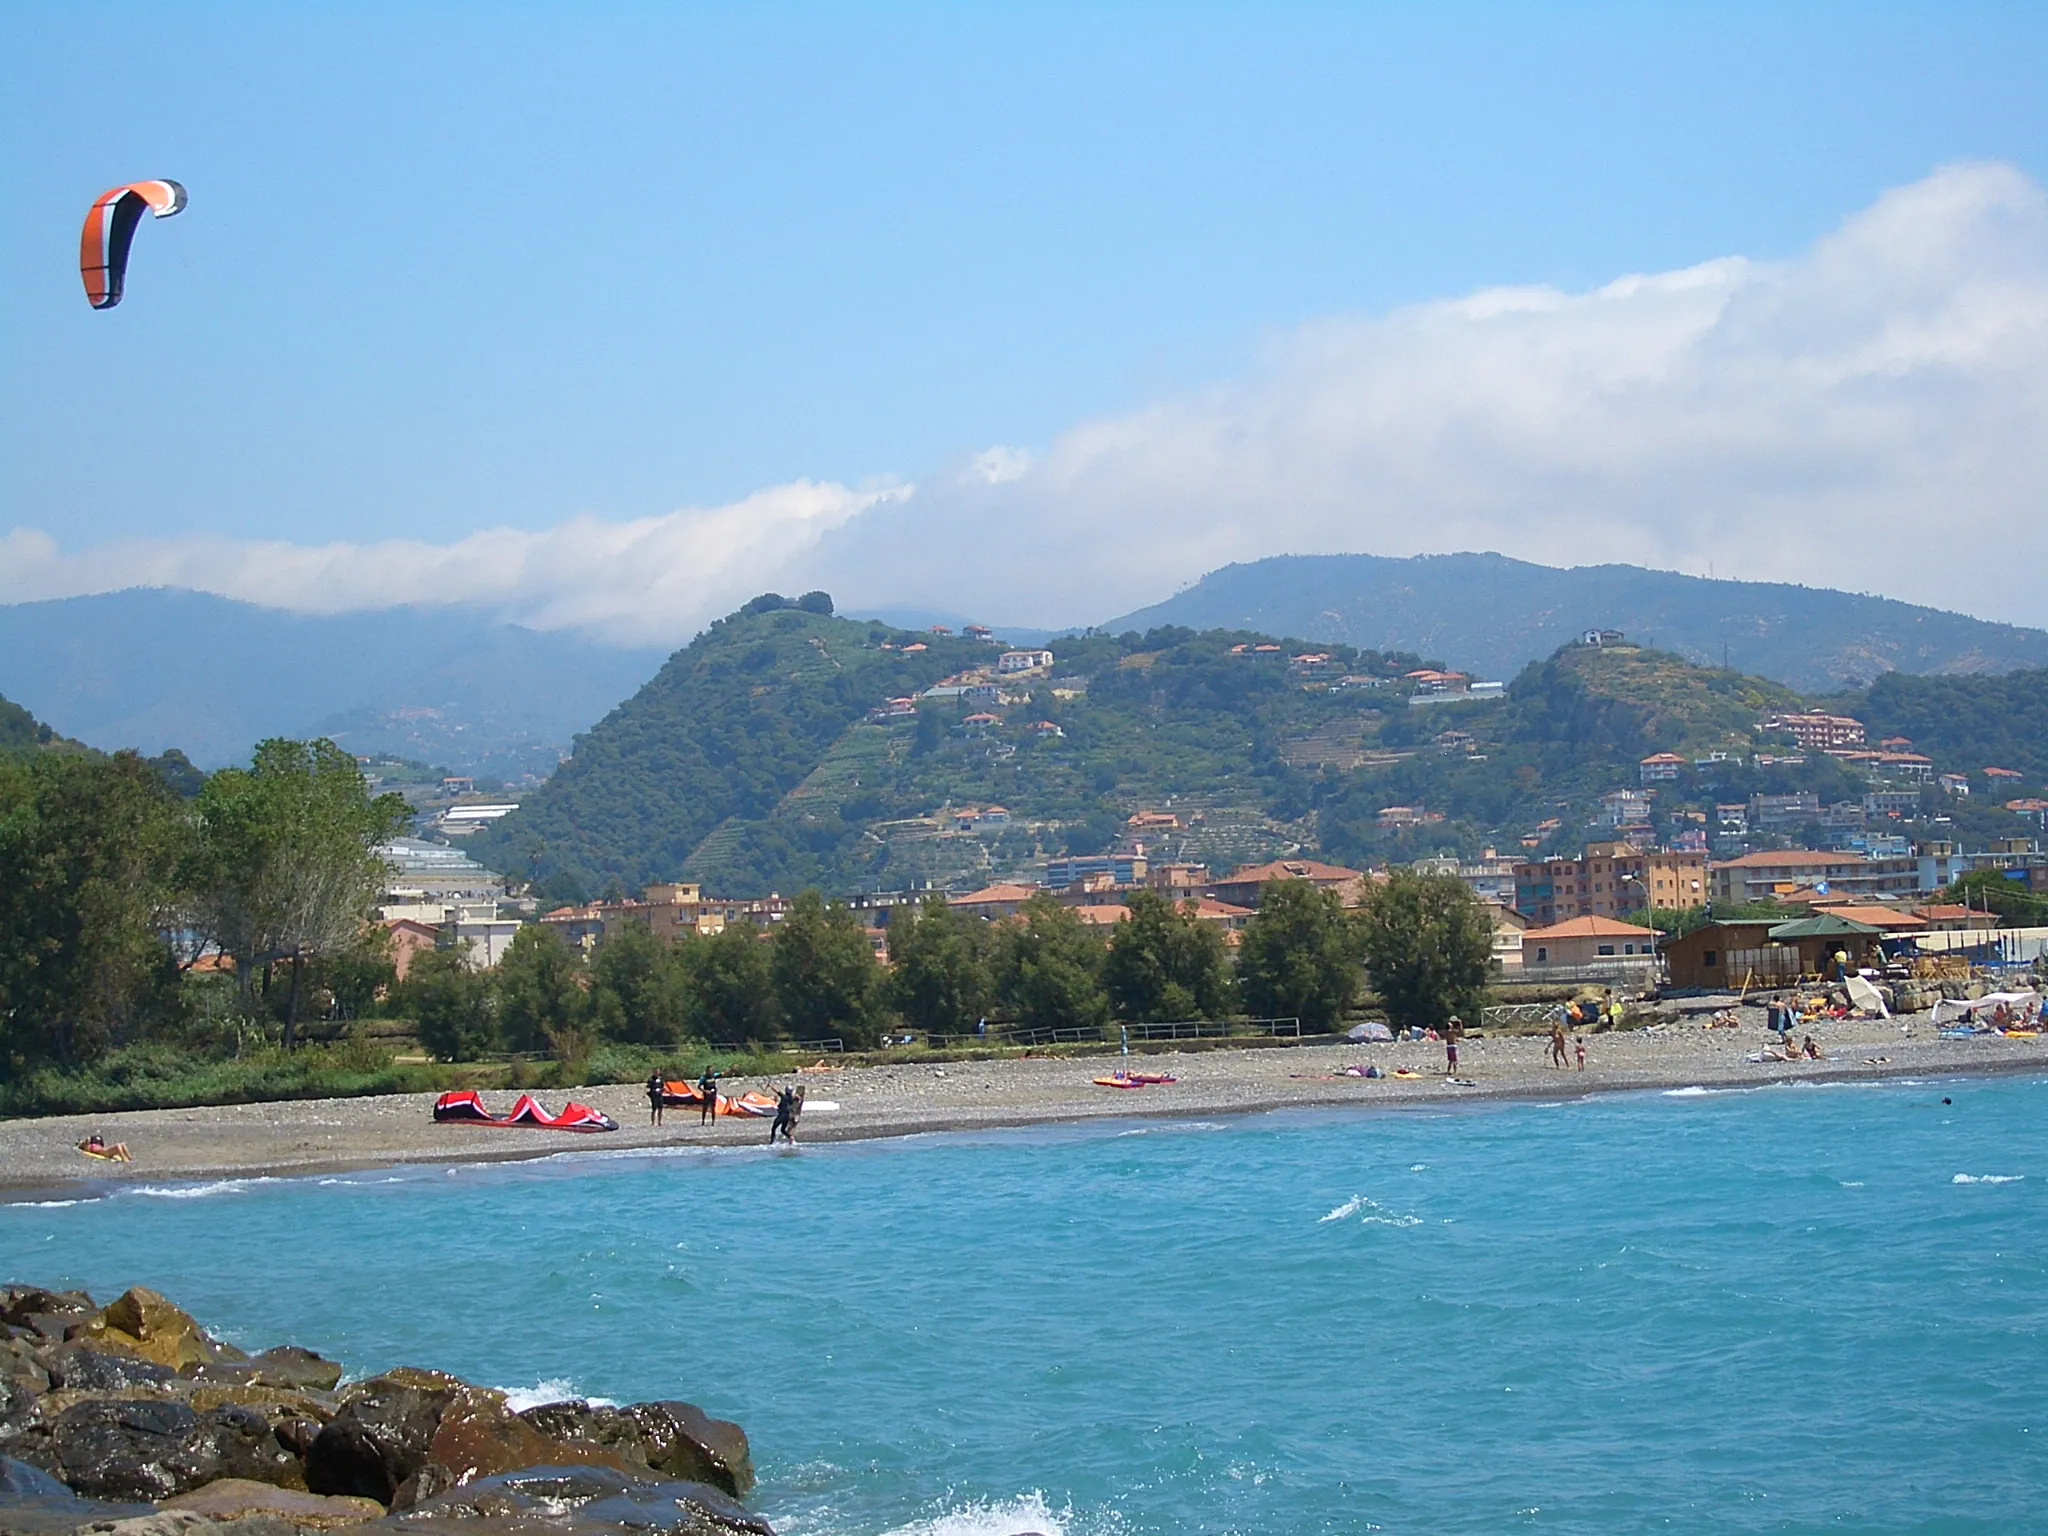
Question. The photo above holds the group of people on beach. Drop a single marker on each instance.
(789, 1104)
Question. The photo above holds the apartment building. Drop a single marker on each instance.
(1766, 876)
(1609, 880)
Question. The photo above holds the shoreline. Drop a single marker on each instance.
(314, 1137)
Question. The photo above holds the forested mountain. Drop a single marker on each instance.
(151, 669)
(21, 731)
(752, 761)
(1493, 616)
(1973, 722)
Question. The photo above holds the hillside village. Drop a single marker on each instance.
(1753, 801)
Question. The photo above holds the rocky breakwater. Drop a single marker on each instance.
(130, 1420)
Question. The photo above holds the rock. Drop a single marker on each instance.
(234, 1498)
(579, 1501)
(296, 1369)
(383, 1434)
(24, 1364)
(138, 1449)
(142, 1323)
(478, 1436)
(80, 1368)
(678, 1439)
(46, 1314)
(33, 1503)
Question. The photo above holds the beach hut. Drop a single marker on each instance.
(1820, 937)
(1727, 956)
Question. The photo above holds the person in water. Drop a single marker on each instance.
(654, 1098)
(707, 1091)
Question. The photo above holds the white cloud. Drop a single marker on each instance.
(1872, 414)
(654, 580)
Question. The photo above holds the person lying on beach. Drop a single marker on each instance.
(95, 1145)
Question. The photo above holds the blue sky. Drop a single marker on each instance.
(455, 268)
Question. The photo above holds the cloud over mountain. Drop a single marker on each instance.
(1871, 414)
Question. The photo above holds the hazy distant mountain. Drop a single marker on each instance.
(1493, 615)
(152, 669)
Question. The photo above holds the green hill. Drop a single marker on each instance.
(1965, 723)
(755, 760)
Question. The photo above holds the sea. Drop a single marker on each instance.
(1800, 1308)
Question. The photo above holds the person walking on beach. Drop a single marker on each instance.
(787, 1105)
(707, 1095)
(1453, 1027)
(655, 1097)
(1557, 1045)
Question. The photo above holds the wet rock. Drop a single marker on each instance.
(80, 1368)
(149, 1450)
(235, 1498)
(33, 1503)
(677, 1439)
(580, 1501)
(478, 1436)
(383, 1434)
(141, 1323)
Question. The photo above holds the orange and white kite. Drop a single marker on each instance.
(110, 230)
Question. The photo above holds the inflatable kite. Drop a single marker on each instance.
(751, 1106)
(467, 1108)
(110, 230)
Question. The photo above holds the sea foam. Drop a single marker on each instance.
(1006, 1517)
(1987, 1178)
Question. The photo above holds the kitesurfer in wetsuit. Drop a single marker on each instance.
(654, 1098)
(707, 1089)
(785, 1116)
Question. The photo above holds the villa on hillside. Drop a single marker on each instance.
(1242, 887)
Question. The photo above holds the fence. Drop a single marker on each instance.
(1520, 1015)
(1089, 1034)
(1640, 971)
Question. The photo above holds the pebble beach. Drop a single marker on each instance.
(330, 1135)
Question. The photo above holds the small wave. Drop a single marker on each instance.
(1370, 1213)
(52, 1205)
(195, 1191)
(1987, 1178)
(1006, 1517)
(1687, 1093)
(556, 1389)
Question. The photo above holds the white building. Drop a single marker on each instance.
(1023, 661)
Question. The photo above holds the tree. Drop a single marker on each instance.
(1298, 958)
(1987, 890)
(826, 978)
(541, 1001)
(453, 1008)
(88, 851)
(938, 967)
(362, 975)
(638, 990)
(286, 864)
(1428, 947)
(1164, 964)
(1049, 968)
(732, 994)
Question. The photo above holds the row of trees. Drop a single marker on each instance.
(1422, 942)
(112, 883)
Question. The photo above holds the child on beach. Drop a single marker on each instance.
(1579, 1045)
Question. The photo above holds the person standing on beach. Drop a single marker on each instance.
(655, 1097)
(1557, 1045)
(1454, 1027)
(785, 1117)
(707, 1095)
(1579, 1045)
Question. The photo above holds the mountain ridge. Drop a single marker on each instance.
(1495, 615)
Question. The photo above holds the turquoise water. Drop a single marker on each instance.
(1783, 1310)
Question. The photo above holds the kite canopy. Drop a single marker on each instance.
(110, 230)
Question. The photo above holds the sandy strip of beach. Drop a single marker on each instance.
(328, 1135)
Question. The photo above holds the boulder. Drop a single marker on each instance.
(142, 1323)
(33, 1503)
(81, 1368)
(24, 1364)
(298, 1370)
(478, 1436)
(383, 1434)
(148, 1450)
(579, 1501)
(44, 1314)
(677, 1439)
(237, 1498)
